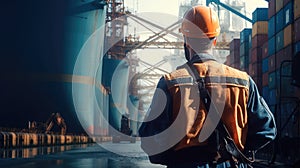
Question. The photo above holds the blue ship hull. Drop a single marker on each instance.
(41, 43)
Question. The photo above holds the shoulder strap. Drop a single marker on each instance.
(206, 99)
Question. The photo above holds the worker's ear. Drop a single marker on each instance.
(215, 42)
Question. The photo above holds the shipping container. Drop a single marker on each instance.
(271, 45)
(272, 107)
(265, 79)
(265, 65)
(296, 9)
(297, 30)
(265, 93)
(227, 60)
(286, 71)
(244, 35)
(285, 54)
(286, 89)
(279, 21)
(286, 2)
(272, 80)
(250, 41)
(279, 57)
(255, 69)
(272, 9)
(242, 63)
(235, 65)
(235, 44)
(279, 5)
(288, 14)
(244, 48)
(265, 50)
(258, 82)
(271, 27)
(271, 64)
(234, 56)
(260, 14)
(289, 50)
(260, 27)
(297, 47)
(256, 55)
(272, 96)
(287, 35)
(259, 40)
(279, 41)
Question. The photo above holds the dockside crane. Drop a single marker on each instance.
(229, 8)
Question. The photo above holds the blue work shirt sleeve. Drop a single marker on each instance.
(262, 127)
(158, 117)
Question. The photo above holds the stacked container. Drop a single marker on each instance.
(233, 59)
(297, 32)
(283, 36)
(280, 39)
(268, 77)
(297, 25)
(284, 40)
(259, 39)
(245, 45)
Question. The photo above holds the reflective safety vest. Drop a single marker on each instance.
(229, 90)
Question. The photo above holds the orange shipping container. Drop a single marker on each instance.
(287, 35)
(271, 10)
(296, 9)
(256, 55)
(260, 27)
(255, 69)
(279, 5)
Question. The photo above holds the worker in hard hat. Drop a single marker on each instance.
(205, 114)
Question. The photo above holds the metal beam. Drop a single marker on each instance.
(218, 2)
(154, 25)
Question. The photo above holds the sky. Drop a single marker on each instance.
(171, 7)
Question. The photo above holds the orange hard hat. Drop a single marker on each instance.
(200, 22)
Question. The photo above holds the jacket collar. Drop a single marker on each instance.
(202, 57)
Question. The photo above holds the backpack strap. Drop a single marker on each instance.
(230, 146)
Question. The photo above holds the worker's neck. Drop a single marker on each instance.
(193, 52)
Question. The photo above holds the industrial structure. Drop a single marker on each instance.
(91, 74)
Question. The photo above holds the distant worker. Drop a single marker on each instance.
(125, 127)
(205, 114)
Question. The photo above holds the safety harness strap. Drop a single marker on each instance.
(230, 146)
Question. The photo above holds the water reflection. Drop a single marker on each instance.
(104, 162)
(34, 151)
(75, 156)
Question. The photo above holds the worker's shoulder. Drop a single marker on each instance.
(228, 71)
(180, 72)
(236, 72)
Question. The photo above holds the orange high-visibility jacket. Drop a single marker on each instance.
(175, 111)
(229, 90)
